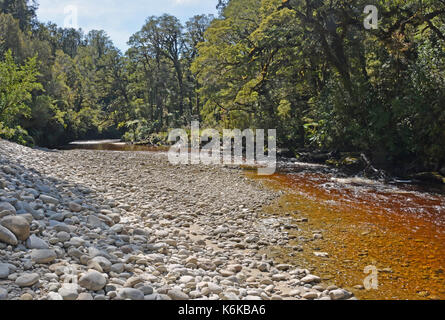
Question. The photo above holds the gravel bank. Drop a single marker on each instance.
(116, 225)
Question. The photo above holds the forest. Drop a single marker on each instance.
(307, 68)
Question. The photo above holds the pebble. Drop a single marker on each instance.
(103, 262)
(7, 209)
(310, 279)
(214, 288)
(131, 294)
(337, 294)
(93, 280)
(3, 294)
(69, 291)
(85, 296)
(146, 290)
(264, 267)
(75, 207)
(279, 277)
(48, 199)
(117, 267)
(7, 236)
(18, 225)
(310, 295)
(54, 296)
(176, 294)
(34, 242)
(321, 254)
(27, 280)
(26, 297)
(4, 271)
(186, 279)
(63, 236)
(43, 255)
(283, 267)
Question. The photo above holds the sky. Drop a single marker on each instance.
(119, 18)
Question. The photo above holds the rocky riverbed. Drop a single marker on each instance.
(84, 225)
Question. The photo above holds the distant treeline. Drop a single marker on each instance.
(310, 69)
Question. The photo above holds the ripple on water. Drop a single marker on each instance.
(400, 229)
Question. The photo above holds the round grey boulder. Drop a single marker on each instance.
(69, 291)
(43, 255)
(7, 209)
(54, 296)
(103, 262)
(17, 225)
(48, 199)
(7, 236)
(34, 242)
(27, 280)
(131, 294)
(85, 296)
(4, 271)
(176, 294)
(75, 207)
(93, 280)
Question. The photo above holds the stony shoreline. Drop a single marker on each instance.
(84, 225)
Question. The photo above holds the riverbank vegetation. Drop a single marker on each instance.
(307, 68)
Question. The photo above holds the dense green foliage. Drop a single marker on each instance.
(311, 69)
(15, 91)
(308, 68)
(67, 82)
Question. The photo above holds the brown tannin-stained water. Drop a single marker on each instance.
(398, 229)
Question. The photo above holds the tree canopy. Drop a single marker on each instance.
(308, 68)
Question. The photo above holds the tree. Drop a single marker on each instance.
(171, 46)
(16, 85)
(310, 69)
(11, 37)
(156, 54)
(21, 10)
(194, 35)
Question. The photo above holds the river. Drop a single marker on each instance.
(396, 228)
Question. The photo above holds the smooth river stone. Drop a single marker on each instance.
(75, 207)
(310, 278)
(337, 294)
(4, 271)
(43, 255)
(93, 280)
(132, 294)
(7, 208)
(48, 199)
(27, 280)
(7, 236)
(69, 291)
(176, 294)
(35, 242)
(17, 225)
